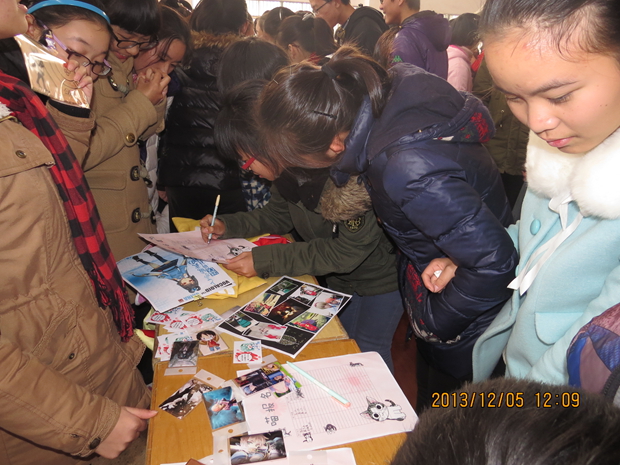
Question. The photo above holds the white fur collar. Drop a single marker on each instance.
(592, 179)
(4, 110)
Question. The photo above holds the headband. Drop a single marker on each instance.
(76, 3)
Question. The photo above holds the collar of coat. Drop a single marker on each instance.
(208, 39)
(591, 178)
(344, 203)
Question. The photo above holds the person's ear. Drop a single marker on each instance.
(337, 145)
(34, 30)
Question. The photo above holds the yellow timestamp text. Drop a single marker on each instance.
(504, 399)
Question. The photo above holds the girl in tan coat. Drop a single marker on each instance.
(126, 112)
(68, 383)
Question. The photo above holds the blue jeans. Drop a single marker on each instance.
(372, 320)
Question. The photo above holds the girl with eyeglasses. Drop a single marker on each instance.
(128, 111)
(79, 33)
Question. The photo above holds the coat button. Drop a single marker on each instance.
(136, 216)
(130, 138)
(535, 227)
(20, 154)
(71, 356)
(94, 443)
(135, 173)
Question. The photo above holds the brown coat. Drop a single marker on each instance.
(112, 164)
(64, 371)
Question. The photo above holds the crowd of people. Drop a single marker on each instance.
(400, 150)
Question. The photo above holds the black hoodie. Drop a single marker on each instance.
(364, 27)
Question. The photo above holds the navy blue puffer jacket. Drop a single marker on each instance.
(438, 193)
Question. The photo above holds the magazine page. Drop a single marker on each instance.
(168, 280)
(191, 244)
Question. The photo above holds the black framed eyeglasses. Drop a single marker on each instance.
(319, 8)
(98, 68)
(125, 44)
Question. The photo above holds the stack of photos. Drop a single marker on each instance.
(287, 316)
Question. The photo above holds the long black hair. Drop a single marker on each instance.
(135, 16)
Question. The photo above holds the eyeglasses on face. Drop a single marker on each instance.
(100, 69)
(319, 8)
(125, 44)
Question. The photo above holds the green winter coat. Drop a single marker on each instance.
(509, 144)
(357, 258)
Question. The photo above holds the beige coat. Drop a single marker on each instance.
(64, 370)
(112, 164)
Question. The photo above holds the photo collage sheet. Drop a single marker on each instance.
(287, 316)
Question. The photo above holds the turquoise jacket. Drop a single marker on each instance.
(579, 281)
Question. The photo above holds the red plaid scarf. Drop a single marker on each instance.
(86, 228)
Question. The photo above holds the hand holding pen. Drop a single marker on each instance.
(210, 227)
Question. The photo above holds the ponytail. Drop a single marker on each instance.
(305, 107)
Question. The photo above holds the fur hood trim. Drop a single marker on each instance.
(344, 203)
(208, 39)
(591, 178)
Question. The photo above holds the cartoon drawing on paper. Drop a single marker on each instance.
(169, 269)
(379, 411)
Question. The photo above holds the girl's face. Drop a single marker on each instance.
(12, 18)
(152, 58)
(570, 100)
(87, 38)
(259, 169)
(135, 40)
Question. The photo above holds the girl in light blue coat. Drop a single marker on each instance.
(557, 63)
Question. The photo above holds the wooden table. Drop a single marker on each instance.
(331, 331)
(172, 440)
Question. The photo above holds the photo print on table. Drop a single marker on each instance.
(184, 354)
(222, 408)
(186, 398)
(302, 310)
(254, 448)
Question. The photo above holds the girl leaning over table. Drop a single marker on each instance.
(342, 239)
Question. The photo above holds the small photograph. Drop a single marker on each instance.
(252, 382)
(327, 303)
(186, 398)
(241, 321)
(222, 408)
(263, 304)
(286, 311)
(310, 321)
(184, 354)
(265, 331)
(306, 294)
(284, 287)
(256, 448)
(210, 342)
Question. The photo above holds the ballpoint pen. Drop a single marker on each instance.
(217, 204)
(316, 382)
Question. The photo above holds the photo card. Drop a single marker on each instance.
(184, 354)
(186, 398)
(251, 448)
(222, 408)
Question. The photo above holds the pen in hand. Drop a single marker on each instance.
(217, 204)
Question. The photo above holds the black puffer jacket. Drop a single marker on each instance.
(438, 193)
(188, 154)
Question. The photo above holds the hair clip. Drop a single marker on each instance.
(324, 114)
